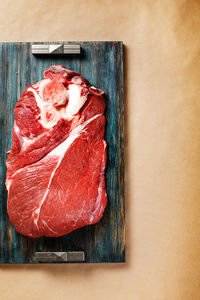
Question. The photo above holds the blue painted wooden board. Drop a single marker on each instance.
(102, 64)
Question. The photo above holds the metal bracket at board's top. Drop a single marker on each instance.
(56, 49)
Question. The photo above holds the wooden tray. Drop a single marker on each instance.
(102, 64)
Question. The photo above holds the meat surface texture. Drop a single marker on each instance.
(55, 168)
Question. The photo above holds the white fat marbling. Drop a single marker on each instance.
(76, 101)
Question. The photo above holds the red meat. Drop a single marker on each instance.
(55, 169)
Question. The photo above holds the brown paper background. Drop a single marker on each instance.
(162, 104)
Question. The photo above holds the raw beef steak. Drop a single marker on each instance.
(55, 169)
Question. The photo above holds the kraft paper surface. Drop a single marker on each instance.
(162, 137)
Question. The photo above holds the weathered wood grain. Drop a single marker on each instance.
(102, 64)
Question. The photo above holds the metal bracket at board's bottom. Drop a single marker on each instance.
(73, 256)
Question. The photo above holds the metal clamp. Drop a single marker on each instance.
(56, 49)
(73, 256)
